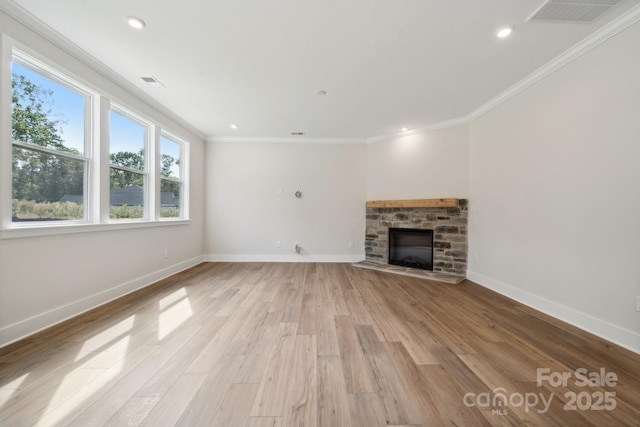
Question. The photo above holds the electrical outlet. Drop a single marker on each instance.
(638, 303)
(166, 253)
(278, 244)
(350, 244)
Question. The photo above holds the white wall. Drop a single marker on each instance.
(246, 216)
(429, 165)
(546, 170)
(46, 279)
(555, 192)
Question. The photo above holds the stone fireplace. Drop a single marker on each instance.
(449, 225)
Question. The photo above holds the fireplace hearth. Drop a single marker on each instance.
(411, 248)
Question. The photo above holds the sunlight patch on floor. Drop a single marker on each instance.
(7, 390)
(15, 384)
(5, 395)
(174, 314)
(106, 337)
(172, 298)
(109, 356)
(82, 383)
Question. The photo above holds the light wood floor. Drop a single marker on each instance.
(316, 345)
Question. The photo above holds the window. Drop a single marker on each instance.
(127, 173)
(75, 161)
(49, 148)
(170, 177)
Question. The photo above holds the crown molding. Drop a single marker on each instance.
(20, 15)
(288, 140)
(611, 29)
(595, 39)
(425, 129)
(624, 21)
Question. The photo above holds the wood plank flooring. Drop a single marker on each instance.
(257, 345)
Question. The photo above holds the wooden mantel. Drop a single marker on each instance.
(414, 203)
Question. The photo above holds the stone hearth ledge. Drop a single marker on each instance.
(408, 271)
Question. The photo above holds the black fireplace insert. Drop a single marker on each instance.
(411, 247)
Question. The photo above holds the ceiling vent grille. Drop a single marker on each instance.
(152, 81)
(580, 11)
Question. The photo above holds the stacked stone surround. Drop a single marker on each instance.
(449, 227)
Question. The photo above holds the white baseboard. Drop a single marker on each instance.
(282, 258)
(621, 336)
(37, 323)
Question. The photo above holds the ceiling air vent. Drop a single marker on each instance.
(153, 82)
(579, 11)
(297, 133)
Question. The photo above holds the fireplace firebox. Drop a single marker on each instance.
(410, 247)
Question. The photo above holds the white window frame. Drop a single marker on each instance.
(148, 164)
(184, 165)
(38, 66)
(96, 155)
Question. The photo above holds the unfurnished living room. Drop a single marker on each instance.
(320, 213)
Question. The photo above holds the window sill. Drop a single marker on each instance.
(49, 230)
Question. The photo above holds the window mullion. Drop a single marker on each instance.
(153, 166)
(47, 150)
(174, 150)
(184, 191)
(171, 178)
(6, 194)
(126, 169)
(102, 162)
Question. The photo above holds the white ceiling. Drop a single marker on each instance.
(385, 64)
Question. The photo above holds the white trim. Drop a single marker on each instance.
(282, 258)
(603, 34)
(609, 30)
(72, 227)
(183, 163)
(50, 70)
(96, 154)
(595, 39)
(39, 322)
(616, 334)
(47, 150)
(20, 15)
(6, 148)
(290, 140)
(435, 126)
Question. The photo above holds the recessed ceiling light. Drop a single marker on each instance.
(234, 126)
(404, 129)
(135, 22)
(504, 32)
(321, 92)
